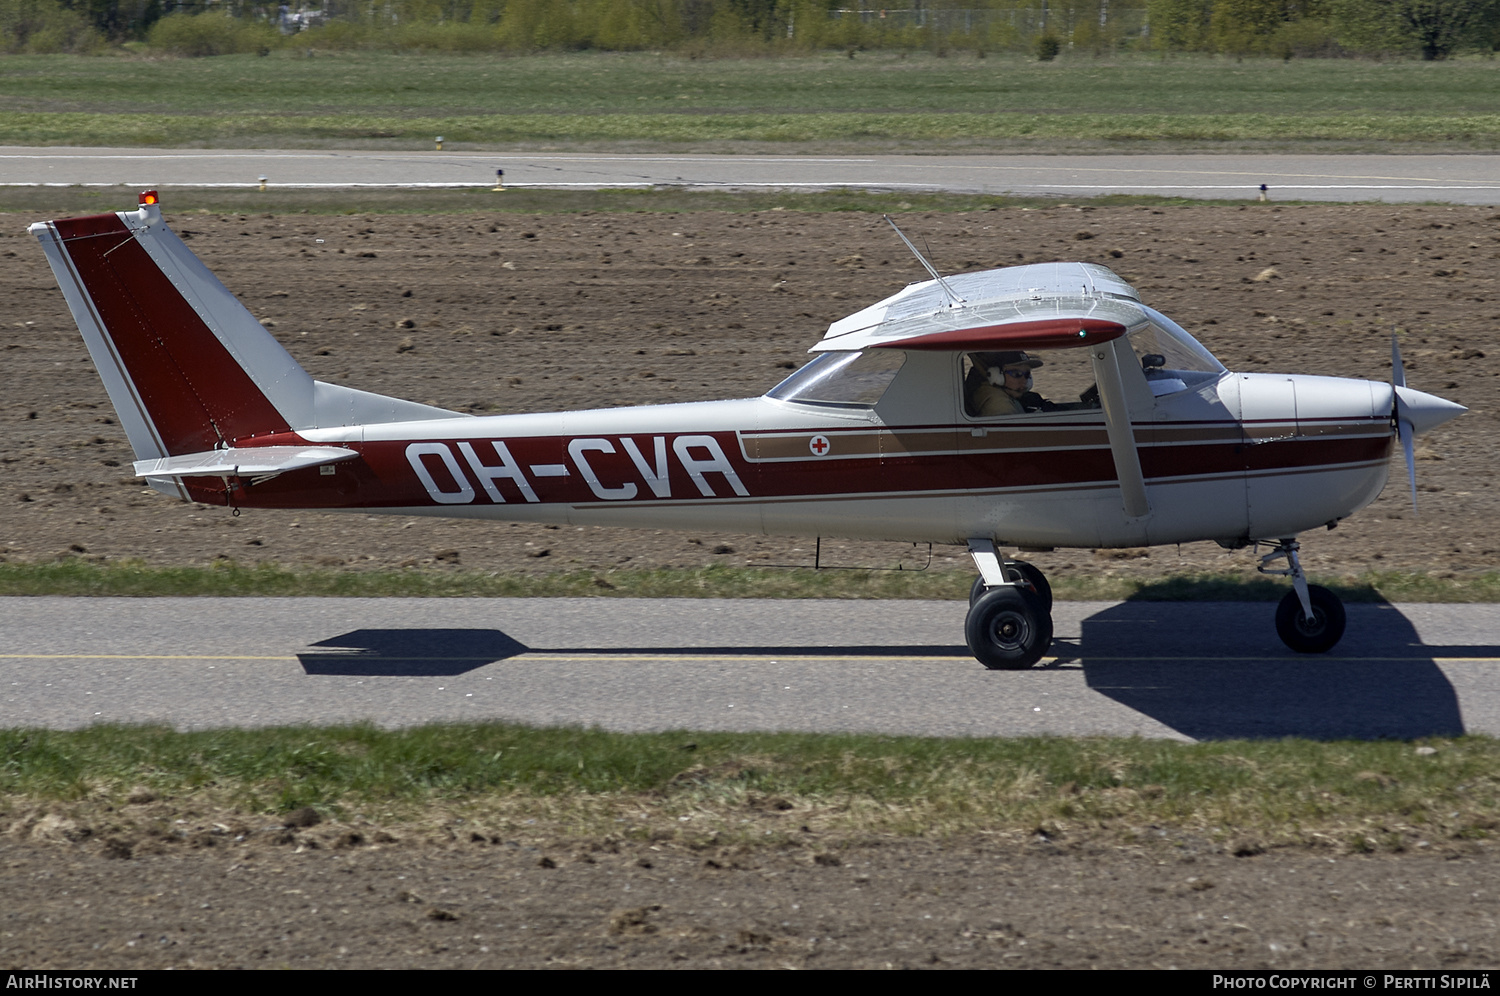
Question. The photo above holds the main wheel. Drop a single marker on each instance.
(1024, 574)
(1315, 635)
(1008, 629)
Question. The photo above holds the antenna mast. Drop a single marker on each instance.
(954, 300)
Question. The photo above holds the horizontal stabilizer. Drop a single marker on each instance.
(243, 461)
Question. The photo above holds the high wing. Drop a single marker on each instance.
(1043, 306)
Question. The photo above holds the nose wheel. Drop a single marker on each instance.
(1310, 618)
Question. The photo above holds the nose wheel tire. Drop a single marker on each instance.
(1024, 575)
(1314, 635)
(1008, 629)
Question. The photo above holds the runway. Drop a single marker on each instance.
(1456, 179)
(1188, 671)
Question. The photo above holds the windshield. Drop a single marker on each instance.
(1172, 360)
(845, 380)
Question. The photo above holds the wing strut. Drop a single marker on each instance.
(1107, 373)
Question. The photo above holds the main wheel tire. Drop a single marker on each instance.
(1318, 634)
(1008, 629)
(1028, 575)
(1024, 574)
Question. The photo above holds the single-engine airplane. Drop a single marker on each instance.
(919, 419)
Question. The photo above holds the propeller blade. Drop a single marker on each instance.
(1404, 427)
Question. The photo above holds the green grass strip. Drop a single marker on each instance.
(76, 577)
(951, 130)
(1357, 794)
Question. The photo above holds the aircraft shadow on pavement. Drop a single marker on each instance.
(409, 652)
(440, 652)
(1218, 670)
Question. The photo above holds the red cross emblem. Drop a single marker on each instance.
(819, 445)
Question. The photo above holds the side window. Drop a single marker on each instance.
(1060, 380)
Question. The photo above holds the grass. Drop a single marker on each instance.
(75, 577)
(936, 131)
(879, 99)
(501, 779)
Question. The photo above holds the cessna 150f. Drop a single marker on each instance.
(904, 426)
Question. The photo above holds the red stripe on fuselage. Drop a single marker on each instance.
(188, 382)
(385, 478)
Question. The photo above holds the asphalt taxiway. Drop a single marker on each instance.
(1178, 670)
(1454, 179)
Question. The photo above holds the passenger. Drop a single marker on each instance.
(1000, 384)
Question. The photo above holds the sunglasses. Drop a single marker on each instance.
(1018, 373)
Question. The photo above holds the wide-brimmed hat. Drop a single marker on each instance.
(1008, 359)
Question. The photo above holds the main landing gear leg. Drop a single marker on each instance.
(1009, 625)
(1310, 619)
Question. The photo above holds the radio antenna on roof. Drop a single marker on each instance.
(954, 300)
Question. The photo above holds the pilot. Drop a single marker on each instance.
(1000, 384)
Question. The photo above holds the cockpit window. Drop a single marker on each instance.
(1172, 360)
(844, 380)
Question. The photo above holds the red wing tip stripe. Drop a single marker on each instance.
(1049, 333)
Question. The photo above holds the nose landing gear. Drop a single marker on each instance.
(1310, 619)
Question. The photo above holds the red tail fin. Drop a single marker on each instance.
(188, 368)
(191, 390)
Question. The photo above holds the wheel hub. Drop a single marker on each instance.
(1011, 631)
(1312, 625)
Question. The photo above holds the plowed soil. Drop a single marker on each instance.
(507, 313)
(609, 905)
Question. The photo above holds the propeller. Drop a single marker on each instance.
(1415, 412)
(1404, 427)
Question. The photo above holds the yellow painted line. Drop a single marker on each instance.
(140, 657)
(533, 656)
(729, 658)
(1310, 658)
(542, 655)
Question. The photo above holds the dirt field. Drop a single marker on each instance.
(505, 313)
(504, 904)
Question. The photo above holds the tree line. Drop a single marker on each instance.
(1430, 29)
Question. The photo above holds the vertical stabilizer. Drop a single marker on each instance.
(187, 366)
